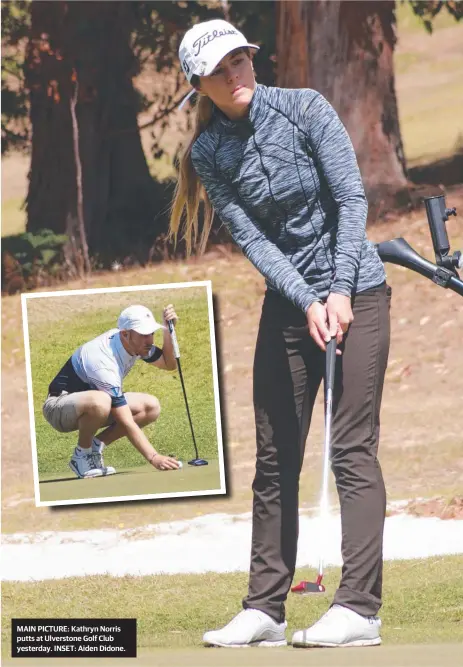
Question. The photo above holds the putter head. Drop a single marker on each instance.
(308, 588)
(198, 462)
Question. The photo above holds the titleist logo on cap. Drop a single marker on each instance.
(208, 37)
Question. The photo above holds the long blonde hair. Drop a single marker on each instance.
(189, 191)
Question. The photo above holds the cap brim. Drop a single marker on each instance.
(223, 52)
(145, 331)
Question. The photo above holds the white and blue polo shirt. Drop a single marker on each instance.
(100, 364)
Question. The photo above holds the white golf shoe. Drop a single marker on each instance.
(340, 627)
(250, 627)
(83, 465)
(97, 451)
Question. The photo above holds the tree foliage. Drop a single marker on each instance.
(32, 260)
(427, 10)
(147, 41)
(157, 31)
(15, 109)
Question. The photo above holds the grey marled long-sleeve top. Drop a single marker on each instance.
(286, 183)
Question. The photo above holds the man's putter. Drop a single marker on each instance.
(197, 461)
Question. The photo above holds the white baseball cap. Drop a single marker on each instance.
(204, 46)
(139, 319)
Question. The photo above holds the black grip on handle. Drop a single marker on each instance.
(330, 363)
(170, 324)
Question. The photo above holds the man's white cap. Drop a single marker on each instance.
(139, 319)
(204, 46)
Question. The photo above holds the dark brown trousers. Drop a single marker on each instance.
(288, 370)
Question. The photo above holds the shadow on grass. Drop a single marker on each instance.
(60, 479)
(73, 479)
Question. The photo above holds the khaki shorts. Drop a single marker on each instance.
(61, 411)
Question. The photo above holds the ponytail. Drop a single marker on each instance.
(189, 191)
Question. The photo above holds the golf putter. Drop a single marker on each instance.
(310, 587)
(197, 461)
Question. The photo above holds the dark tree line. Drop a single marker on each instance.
(89, 176)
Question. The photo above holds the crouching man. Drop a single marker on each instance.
(86, 395)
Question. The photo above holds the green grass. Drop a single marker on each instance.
(132, 482)
(58, 325)
(422, 602)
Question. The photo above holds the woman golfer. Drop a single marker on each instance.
(279, 169)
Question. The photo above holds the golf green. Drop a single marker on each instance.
(396, 655)
(132, 482)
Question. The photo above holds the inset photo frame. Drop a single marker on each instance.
(123, 393)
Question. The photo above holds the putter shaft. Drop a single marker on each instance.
(187, 407)
(307, 587)
(196, 461)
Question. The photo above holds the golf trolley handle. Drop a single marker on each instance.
(173, 335)
(398, 251)
(438, 215)
(444, 272)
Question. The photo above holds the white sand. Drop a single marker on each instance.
(215, 542)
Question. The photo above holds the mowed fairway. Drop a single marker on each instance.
(422, 604)
(129, 482)
(59, 324)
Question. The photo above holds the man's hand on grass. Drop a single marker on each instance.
(161, 462)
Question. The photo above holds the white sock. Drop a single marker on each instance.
(97, 445)
(82, 451)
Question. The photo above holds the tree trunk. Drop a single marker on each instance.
(88, 44)
(344, 50)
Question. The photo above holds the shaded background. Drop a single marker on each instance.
(90, 93)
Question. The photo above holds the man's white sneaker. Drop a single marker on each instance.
(250, 627)
(340, 627)
(97, 451)
(84, 465)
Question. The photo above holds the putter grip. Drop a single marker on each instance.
(174, 339)
(330, 363)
